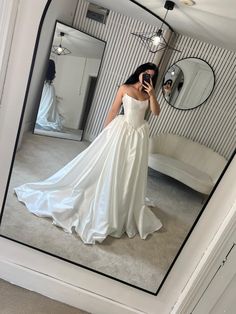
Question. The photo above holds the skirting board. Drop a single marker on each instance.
(69, 134)
(61, 291)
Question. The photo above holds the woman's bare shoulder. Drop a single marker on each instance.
(122, 90)
(125, 88)
(122, 87)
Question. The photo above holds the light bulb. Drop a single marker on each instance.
(59, 50)
(156, 40)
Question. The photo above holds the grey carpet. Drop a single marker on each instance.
(16, 300)
(142, 263)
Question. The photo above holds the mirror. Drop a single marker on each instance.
(188, 83)
(138, 262)
(70, 81)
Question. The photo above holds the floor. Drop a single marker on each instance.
(70, 134)
(141, 263)
(16, 300)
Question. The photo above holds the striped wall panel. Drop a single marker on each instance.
(212, 124)
(122, 56)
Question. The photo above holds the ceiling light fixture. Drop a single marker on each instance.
(59, 50)
(155, 41)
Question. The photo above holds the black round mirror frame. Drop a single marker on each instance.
(166, 80)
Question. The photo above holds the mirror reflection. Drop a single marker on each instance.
(70, 83)
(188, 83)
(122, 201)
(101, 192)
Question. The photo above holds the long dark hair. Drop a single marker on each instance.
(169, 81)
(134, 78)
(51, 70)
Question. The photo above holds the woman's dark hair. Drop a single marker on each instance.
(168, 82)
(51, 70)
(134, 78)
(180, 85)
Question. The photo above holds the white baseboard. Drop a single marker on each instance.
(88, 137)
(61, 291)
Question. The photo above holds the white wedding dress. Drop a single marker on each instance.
(102, 191)
(48, 116)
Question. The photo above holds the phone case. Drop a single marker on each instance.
(146, 78)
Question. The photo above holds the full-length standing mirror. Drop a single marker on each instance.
(189, 149)
(69, 84)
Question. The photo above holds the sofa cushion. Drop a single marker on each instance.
(190, 152)
(181, 171)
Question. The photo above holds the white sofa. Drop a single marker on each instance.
(187, 161)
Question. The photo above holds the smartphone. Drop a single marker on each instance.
(146, 78)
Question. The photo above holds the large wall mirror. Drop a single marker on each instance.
(188, 83)
(70, 83)
(142, 263)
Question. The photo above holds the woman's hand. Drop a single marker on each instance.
(154, 105)
(148, 88)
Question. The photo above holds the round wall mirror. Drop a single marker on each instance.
(188, 83)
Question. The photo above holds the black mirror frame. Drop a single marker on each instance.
(12, 163)
(214, 80)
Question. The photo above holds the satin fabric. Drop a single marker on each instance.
(101, 192)
(48, 116)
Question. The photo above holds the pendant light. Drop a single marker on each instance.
(155, 41)
(60, 50)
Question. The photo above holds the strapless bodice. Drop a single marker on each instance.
(134, 110)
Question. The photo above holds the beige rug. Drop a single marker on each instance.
(142, 263)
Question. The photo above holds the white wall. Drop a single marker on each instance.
(8, 12)
(198, 84)
(219, 296)
(72, 75)
(69, 70)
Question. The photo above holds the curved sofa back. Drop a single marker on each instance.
(188, 151)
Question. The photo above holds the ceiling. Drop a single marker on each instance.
(212, 21)
(79, 43)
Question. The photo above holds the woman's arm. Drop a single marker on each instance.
(112, 113)
(154, 105)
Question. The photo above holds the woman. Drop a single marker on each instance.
(167, 86)
(101, 192)
(48, 116)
